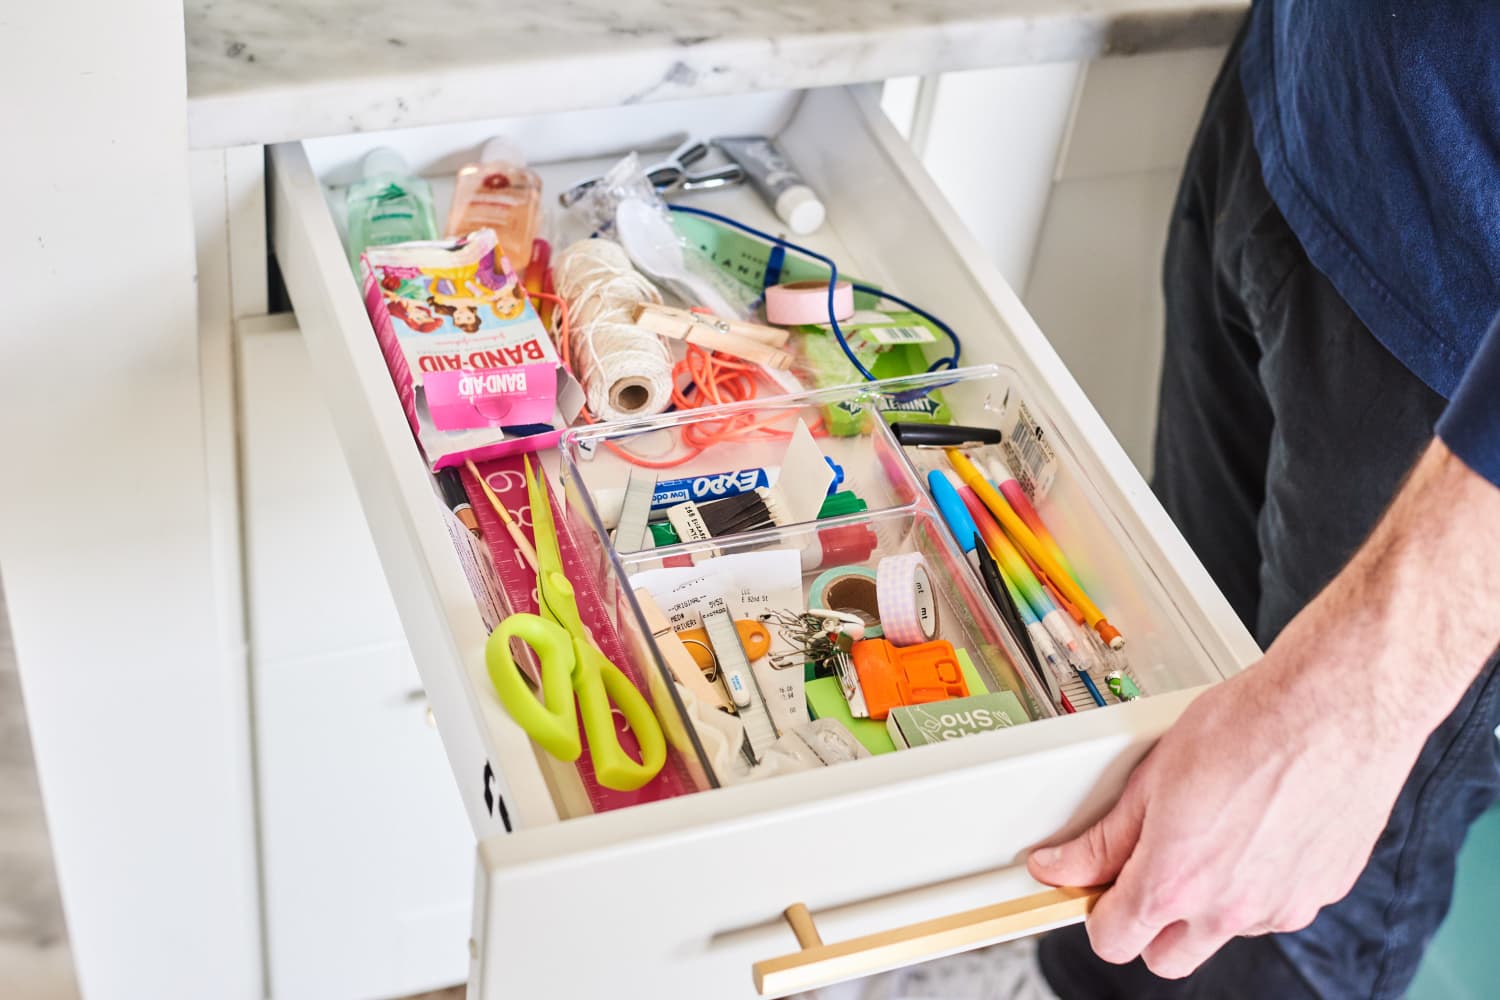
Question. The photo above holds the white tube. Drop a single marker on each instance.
(778, 182)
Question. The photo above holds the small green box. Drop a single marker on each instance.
(918, 725)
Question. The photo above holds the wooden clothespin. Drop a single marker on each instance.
(750, 341)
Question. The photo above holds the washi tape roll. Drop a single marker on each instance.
(853, 589)
(908, 606)
(796, 303)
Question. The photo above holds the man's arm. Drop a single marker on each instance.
(1263, 803)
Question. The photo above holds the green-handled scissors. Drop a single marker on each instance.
(570, 662)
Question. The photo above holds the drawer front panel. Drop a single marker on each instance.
(690, 908)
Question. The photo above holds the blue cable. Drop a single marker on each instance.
(951, 361)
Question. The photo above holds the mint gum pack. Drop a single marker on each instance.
(476, 372)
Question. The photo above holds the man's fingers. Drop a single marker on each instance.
(1181, 947)
(1123, 922)
(1098, 854)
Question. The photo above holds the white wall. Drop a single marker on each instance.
(137, 707)
(367, 856)
(1066, 174)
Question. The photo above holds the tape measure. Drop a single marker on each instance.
(506, 478)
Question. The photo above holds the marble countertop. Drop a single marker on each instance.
(262, 71)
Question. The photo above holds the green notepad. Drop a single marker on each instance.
(825, 700)
(971, 676)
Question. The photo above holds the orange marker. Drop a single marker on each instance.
(1027, 542)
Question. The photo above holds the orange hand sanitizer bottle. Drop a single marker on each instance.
(499, 193)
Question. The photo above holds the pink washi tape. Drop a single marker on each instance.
(908, 607)
(798, 303)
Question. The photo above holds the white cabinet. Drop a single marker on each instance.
(366, 858)
(687, 894)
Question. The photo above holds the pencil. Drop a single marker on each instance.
(1027, 541)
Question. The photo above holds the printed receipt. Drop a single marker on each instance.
(755, 584)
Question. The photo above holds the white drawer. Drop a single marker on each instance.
(686, 894)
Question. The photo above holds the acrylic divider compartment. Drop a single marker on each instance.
(612, 620)
(769, 561)
(1160, 651)
(902, 519)
(711, 455)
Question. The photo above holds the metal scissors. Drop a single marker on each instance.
(570, 664)
(671, 175)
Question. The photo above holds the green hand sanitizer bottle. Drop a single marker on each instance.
(388, 205)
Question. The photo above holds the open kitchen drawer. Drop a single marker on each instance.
(680, 898)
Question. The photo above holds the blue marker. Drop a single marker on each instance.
(955, 515)
(668, 493)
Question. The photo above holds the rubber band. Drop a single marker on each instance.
(702, 378)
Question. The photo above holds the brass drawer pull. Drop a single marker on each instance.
(819, 964)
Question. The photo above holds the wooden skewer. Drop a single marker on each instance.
(512, 528)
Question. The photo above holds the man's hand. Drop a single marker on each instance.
(1259, 806)
(1263, 803)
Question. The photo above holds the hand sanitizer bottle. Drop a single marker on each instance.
(498, 193)
(388, 205)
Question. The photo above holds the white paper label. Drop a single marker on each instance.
(901, 334)
(478, 569)
(1029, 454)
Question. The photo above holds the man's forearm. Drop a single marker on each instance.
(1423, 592)
(1263, 803)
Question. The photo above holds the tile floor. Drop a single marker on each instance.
(35, 962)
(34, 959)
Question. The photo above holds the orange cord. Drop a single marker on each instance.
(711, 379)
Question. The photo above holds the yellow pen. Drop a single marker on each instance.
(1032, 546)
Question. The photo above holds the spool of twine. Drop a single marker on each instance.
(625, 370)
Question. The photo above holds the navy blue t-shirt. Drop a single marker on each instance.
(1378, 128)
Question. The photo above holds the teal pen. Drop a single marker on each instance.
(1088, 682)
(1040, 640)
(1055, 657)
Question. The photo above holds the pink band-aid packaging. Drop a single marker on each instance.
(523, 396)
(477, 374)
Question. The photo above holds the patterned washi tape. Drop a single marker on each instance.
(908, 607)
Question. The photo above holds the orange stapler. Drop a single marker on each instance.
(891, 676)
